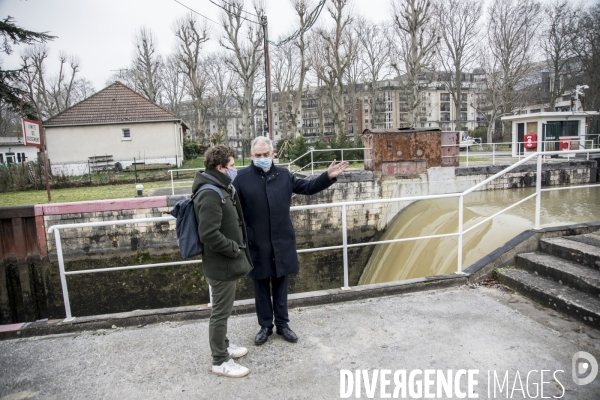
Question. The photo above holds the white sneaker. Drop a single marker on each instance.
(236, 351)
(230, 369)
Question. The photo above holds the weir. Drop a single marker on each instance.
(428, 257)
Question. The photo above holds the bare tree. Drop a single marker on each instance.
(416, 42)
(374, 52)
(221, 83)
(243, 37)
(559, 23)
(289, 68)
(285, 69)
(332, 58)
(586, 45)
(191, 35)
(173, 81)
(51, 95)
(147, 64)
(459, 31)
(512, 27)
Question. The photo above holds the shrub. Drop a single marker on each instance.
(191, 149)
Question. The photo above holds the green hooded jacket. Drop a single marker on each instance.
(221, 228)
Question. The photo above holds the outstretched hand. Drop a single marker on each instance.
(336, 170)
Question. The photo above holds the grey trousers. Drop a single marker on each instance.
(223, 295)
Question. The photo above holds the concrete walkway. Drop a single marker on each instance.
(488, 329)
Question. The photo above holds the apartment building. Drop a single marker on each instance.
(390, 109)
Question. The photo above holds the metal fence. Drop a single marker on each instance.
(460, 232)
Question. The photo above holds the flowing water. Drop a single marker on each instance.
(427, 257)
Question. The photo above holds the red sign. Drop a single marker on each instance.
(530, 141)
(32, 132)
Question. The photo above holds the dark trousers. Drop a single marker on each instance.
(265, 308)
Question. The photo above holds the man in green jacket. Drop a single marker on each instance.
(225, 257)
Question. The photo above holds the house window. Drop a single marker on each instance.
(1, 158)
(126, 134)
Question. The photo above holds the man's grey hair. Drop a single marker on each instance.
(259, 140)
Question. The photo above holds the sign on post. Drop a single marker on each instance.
(32, 132)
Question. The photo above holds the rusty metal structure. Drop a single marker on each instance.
(22, 292)
(409, 151)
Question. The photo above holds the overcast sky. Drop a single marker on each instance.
(100, 32)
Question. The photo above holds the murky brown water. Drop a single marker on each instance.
(420, 258)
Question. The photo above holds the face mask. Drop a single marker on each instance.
(231, 173)
(263, 163)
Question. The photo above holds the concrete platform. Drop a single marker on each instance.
(486, 328)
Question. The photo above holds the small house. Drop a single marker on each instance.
(549, 131)
(14, 150)
(113, 128)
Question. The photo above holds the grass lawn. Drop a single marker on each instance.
(76, 194)
(118, 191)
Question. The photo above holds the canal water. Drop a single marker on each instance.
(427, 257)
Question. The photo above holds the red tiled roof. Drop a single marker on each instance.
(114, 104)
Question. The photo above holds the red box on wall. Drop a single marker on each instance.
(530, 140)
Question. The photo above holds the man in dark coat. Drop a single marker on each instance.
(265, 192)
(225, 257)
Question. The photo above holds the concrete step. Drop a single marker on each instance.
(572, 250)
(569, 301)
(562, 271)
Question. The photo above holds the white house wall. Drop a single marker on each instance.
(69, 147)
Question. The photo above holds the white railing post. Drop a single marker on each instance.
(172, 184)
(467, 155)
(312, 163)
(63, 277)
(538, 191)
(342, 155)
(461, 201)
(345, 244)
(493, 153)
(209, 296)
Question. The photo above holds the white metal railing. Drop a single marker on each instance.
(180, 170)
(498, 153)
(288, 164)
(343, 205)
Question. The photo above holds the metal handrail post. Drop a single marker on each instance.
(461, 201)
(493, 153)
(63, 277)
(209, 296)
(172, 184)
(345, 244)
(312, 163)
(538, 191)
(342, 155)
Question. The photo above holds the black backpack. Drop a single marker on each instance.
(186, 224)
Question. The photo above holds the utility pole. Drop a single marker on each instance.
(268, 98)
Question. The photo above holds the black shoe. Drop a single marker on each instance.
(262, 336)
(287, 334)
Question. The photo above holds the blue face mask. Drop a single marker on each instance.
(231, 173)
(263, 163)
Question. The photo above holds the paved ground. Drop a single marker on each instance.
(484, 328)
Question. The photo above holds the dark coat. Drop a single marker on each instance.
(266, 199)
(221, 227)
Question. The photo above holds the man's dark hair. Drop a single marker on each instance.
(218, 155)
